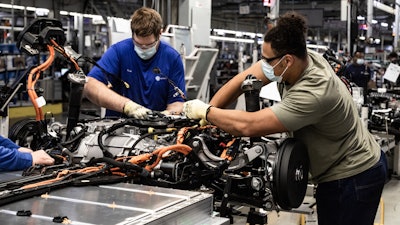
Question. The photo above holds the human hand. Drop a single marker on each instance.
(196, 109)
(135, 110)
(42, 158)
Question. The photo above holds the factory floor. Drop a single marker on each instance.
(389, 216)
(388, 212)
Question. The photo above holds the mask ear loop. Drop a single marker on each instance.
(277, 63)
(281, 76)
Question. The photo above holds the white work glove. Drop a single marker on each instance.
(196, 109)
(135, 110)
(166, 113)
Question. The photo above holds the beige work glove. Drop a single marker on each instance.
(166, 113)
(196, 109)
(135, 110)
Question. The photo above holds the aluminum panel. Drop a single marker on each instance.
(121, 203)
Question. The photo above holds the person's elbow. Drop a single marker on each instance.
(244, 130)
(88, 86)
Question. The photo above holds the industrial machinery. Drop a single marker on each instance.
(165, 151)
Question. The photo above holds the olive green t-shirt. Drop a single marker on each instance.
(319, 110)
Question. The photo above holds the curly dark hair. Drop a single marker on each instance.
(289, 35)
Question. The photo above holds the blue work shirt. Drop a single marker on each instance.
(11, 158)
(146, 87)
(358, 74)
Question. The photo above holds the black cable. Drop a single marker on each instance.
(149, 134)
(157, 70)
(106, 131)
(122, 165)
(90, 60)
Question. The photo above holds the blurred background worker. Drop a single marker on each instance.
(357, 71)
(393, 57)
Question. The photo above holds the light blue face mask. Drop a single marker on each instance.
(146, 54)
(269, 71)
(360, 61)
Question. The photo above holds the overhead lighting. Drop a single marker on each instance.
(251, 35)
(96, 18)
(225, 31)
(231, 39)
(237, 33)
(42, 12)
(360, 18)
(30, 8)
(45, 12)
(9, 6)
(220, 33)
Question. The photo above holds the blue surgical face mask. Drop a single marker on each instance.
(269, 71)
(146, 54)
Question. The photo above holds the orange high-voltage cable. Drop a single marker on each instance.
(33, 77)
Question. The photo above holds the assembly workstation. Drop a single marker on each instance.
(166, 169)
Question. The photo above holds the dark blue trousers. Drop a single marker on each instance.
(353, 200)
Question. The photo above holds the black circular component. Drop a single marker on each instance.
(290, 174)
(24, 133)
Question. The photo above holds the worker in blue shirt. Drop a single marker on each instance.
(358, 72)
(140, 74)
(14, 157)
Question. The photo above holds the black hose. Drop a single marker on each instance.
(147, 135)
(106, 131)
(76, 138)
(123, 165)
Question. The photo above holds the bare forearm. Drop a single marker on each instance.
(101, 95)
(232, 89)
(246, 124)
